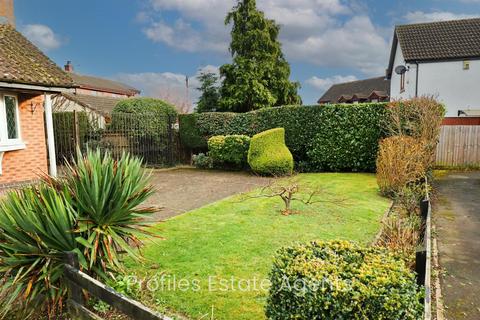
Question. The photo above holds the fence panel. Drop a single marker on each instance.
(459, 146)
(151, 137)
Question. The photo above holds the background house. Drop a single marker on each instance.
(368, 90)
(440, 59)
(28, 79)
(94, 95)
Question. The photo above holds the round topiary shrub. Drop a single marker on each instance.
(268, 153)
(229, 151)
(341, 280)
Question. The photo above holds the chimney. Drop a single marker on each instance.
(6, 12)
(69, 66)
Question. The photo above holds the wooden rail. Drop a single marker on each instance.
(459, 146)
(79, 281)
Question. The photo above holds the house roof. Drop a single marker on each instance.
(361, 89)
(434, 41)
(101, 84)
(23, 63)
(103, 105)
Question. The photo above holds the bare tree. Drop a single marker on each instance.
(291, 191)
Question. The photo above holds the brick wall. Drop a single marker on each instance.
(28, 163)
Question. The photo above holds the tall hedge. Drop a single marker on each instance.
(330, 137)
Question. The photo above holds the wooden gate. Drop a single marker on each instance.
(459, 146)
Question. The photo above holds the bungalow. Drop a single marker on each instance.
(441, 59)
(94, 95)
(368, 90)
(28, 79)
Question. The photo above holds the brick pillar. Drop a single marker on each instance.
(6, 12)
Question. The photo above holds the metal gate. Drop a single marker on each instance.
(149, 136)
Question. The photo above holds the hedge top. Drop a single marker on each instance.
(145, 106)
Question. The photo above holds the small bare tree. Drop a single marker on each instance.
(292, 191)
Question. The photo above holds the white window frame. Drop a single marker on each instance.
(7, 144)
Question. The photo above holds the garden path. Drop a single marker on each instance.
(182, 190)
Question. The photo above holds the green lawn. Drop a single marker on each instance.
(238, 238)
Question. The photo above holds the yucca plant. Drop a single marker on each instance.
(36, 226)
(106, 195)
(94, 211)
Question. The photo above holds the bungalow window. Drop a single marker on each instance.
(402, 82)
(9, 120)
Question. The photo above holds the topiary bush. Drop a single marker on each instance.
(341, 280)
(269, 155)
(229, 151)
(356, 128)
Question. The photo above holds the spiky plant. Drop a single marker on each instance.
(94, 211)
(106, 195)
(36, 227)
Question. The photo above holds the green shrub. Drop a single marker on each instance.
(229, 151)
(145, 106)
(268, 153)
(340, 280)
(202, 161)
(355, 128)
(93, 211)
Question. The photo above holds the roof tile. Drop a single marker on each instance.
(22, 62)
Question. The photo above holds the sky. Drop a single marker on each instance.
(154, 45)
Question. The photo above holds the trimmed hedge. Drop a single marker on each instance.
(269, 155)
(229, 150)
(340, 280)
(316, 135)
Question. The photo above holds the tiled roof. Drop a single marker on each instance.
(440, 40)
(103, 105)
(359, 88)
(101, 84)
(22, 62)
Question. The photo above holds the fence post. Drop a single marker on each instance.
(75, 292)
(76, 129)
(170, 141)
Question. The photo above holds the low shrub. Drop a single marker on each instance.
(269, 155)
(400, 162)
(402, 235)
(145, 106)
(229, 151)
(202, 161)
(341, 280)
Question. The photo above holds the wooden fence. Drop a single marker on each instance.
(459, 146)
(79, 281)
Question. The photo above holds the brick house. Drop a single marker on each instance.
(94, 95)
(28, 80)
(369, 90)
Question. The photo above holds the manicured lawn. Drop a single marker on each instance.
(237, 238)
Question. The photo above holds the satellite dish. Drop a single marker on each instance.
(400, 69)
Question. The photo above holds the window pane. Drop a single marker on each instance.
(11, 111)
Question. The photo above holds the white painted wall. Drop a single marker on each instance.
(458, 89)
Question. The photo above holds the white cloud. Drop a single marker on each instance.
(323, 84)
(168, 86)
(42, 36)
(323, 32)
(420, 16)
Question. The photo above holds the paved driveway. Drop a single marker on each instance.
(457, 218)
(181, 190)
